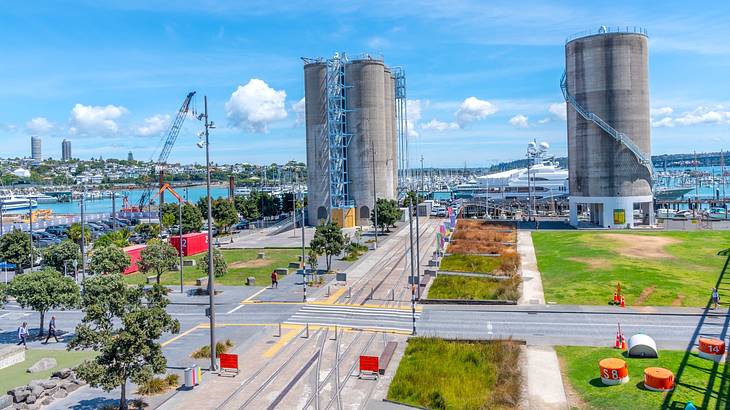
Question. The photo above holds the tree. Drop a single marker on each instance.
(109, 260)
(120, 238)
(3, 294)
(148, 230)
(224, 214)
(192, 218)
(15, 249)
(312, 259)
(66, 252)
(289, 203)
(412, 198)
(169, 213)
(158, 257)
(74, 233)
(220, 266)
(388, 214)
(246, 207)
(328, 240)
(44, 290)
(202, 205)
(123, 324)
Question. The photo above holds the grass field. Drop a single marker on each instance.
(242, 263)
(474, 288)
(15, 375)
(580, 364)
(470, 263)
(440, 374)
(654, 268)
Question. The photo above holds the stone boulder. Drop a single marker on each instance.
(20, 393)
(44, 364)
(63, 373)
(6, 401)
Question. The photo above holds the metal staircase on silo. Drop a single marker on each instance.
(623, 139)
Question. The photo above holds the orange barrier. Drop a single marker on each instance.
(712, 349)
(229, 362)
(658, 379)
(613, 371)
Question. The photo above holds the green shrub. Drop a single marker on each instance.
(220, 347)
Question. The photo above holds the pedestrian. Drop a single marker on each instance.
(51, 330)
(715, 298)
(23, 334)
(274, 280)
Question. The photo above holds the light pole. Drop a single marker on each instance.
(83, 237)
(375, 197)
(180, 235)
(2, 228)
(30, 229)
(211, 291)
(304, 266)
(413, 281)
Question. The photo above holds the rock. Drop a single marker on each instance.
(36, 391)
(44, 364)
(31, 399)
(48, 400)
(6, 401)
(34, 406)
(63, 373)
(72, 387)
(60, 394)
(20, 393)
(49, 384)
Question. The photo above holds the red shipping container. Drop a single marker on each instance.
(135, 254)
(192, 243)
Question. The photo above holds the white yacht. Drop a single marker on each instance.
(10, 202)
(242, 191)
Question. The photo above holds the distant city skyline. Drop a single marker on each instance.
(482, 77)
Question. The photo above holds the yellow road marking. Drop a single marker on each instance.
(185, 333)
(332, 299)
(283, 341)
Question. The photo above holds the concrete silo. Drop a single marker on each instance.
(606, 87)
(358, 99)
(318, 188)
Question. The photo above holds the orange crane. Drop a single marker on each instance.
(167, 187)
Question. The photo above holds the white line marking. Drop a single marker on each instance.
(234, 309)
(489, 328)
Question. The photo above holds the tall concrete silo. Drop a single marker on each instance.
(318, 198)
(606, 87)
(366, 89)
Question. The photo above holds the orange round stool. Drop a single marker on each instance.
(658, 379)
(711, 349)
(613, 371)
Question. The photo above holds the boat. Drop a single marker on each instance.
(718, 213)
(670, 193)
(40, 198)
(10, 202)
(242, 191)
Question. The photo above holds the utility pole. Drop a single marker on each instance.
(2, 228)
(30, 228)
(114, 210)
(304, 266)
(375, 197)
(211, 277)
(413, 282)
(180, 235)
(83, 237)
(418, 237)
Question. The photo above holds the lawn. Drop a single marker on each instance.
(474, 288)
(15, 375)
(470, 263)
(698, 381)
(654, 268)
(442, 374)
(242, 263)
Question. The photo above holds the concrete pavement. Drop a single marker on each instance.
(532, 292)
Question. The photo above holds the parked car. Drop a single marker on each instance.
(242, 224)
(57, 230)
(138, 239)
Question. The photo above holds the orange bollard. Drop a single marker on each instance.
(711, 349)
(658, 379)
(613, 371)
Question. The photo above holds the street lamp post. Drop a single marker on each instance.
(304, 266)
(211, 288)
(413, 282)
(30, 230)
(180, 232)
(375, 197)
(83, 237)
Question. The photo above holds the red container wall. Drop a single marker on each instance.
(193, 243)
(135, 254)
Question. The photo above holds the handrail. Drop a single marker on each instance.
(607, 30)
(622, 138)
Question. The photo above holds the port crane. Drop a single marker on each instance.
(172, 134)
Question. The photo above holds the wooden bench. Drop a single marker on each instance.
(388, 353)
(202, 282)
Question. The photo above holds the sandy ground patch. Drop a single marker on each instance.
(678, 301)
(255, 263)
(594, 263)
(644, 295)
(643, 246)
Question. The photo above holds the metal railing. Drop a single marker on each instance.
(608, 30)
(622, 138)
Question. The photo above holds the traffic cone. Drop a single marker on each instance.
(615, 298)
(617, 345)
(623, 341)
(623, 301)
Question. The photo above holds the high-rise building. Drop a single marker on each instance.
(35, 148)
(66, 150)
(130, 157)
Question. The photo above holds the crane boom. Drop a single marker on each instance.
(172, 134)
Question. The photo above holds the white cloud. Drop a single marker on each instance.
(299, 109)
(701, 115)
(153, 125)
(662, 112)
(378, 43)
(413, 112)
(519, 121)
(39, 126)
(558, 110)
(441, 126)
(89, 119)
(544, 120)
(255, 105)
(473, 109)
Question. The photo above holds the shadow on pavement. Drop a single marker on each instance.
(718, 383)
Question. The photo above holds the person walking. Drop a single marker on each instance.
(715, 298)
(274, 280)
(23, 334)
(51, 330)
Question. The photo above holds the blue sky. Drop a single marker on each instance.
(483, 76)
